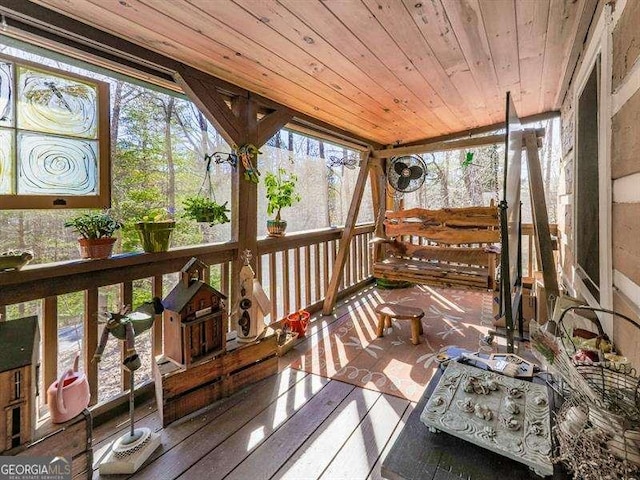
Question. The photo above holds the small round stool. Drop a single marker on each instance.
(387, 311)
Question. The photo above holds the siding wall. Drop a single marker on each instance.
(624, 38)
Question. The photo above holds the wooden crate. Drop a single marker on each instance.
(181, 391)
(72, 439)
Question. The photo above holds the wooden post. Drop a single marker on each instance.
(156, 331)
(49, 342)
(126, 298)
(379, 192)
(540, 216)
(347, 235)
(244, 214)
(90, 341)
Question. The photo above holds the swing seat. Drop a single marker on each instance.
(452, 247)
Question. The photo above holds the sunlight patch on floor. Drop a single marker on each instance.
(444, 301)
(255, 438)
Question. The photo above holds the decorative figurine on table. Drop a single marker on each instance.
(129, 451)
(253, 304)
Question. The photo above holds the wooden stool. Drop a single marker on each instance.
(387, 311)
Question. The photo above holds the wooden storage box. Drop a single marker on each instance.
(181, 391)
(72, 439)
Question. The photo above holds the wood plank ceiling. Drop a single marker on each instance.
(393, 71)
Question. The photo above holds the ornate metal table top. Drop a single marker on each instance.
(503, 414)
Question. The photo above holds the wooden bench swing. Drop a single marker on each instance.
(453, 247)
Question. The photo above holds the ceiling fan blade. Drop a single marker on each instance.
(399, 167)
(416, 172)
(403, 183)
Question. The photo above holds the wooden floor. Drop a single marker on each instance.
(293, 425)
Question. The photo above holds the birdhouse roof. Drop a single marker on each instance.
(181, 295)
(193, 265)
(18, 343)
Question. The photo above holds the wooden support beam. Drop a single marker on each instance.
(49, 342)
(244, 204)
(271, 124)
(204, 93)
(439, 146)
(540, 216)
(442, 146)
(347, 235)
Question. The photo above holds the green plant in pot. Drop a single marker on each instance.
(155, 229)
(96, 232)
(281, 193)
(206, 210)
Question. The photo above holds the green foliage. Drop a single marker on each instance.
(281, 191)
(154, 215)
(94, 225)
(468, 159)
(202, 209)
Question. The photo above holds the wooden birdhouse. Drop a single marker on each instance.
(19, 344)
(194, 317)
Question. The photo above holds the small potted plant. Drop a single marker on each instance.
(281, 193)
(96, 233)
(155, 229)
(206, 210)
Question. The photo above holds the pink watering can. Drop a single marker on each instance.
(68, 395)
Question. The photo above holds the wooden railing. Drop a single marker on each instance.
(302, 264)
(294, 269)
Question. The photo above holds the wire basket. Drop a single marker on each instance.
(603, 406)
(589, 447)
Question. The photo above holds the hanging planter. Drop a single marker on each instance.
(203, 207)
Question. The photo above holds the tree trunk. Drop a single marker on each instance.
(168, 147)
(444, 181)
(115, 114)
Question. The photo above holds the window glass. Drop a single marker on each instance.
(326, 177)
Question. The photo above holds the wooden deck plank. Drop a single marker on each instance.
(186, 441)
(376, 472)
(365, 445)
(263, 462)
(105, 433)
(317, 452)
(223, 456)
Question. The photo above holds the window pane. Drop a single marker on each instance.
(6, 95)
(56, 166)
(6, 162)
(54, 104)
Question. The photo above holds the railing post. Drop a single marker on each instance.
(296, 278)
(49, 342)
(156, 331)
(126, 298)
(90, 341)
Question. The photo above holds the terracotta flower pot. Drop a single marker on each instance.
(96, 247)
(298, 322)
(155, 236)
(276, 228)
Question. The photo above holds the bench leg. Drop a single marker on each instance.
(421, 329)
(387, 322)
(415, 331)
(381, 322)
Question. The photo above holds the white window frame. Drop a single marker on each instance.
(599, 44)
(103, 198)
